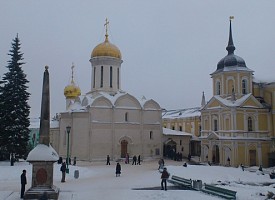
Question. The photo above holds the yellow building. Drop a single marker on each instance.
(185, 126)
(237, 123)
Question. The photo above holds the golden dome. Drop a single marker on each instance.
(72, 90)
(106, 49)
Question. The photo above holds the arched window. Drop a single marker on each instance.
(101, 77)
(218, 88)
(126, 117)
(151, 135)
(117, 78)
(111, 76)
(94, 79)
(249, 124)
(244, 86)
(215, 124)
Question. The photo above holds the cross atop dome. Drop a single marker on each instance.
(106, 48)
(230, 48)
(72, 67)
(106, 24)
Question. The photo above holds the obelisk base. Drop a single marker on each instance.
(49, 193)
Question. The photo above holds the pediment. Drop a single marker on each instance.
(213, 103)
(251, 101)
(213, 136)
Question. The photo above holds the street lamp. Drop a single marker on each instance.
(68, 129)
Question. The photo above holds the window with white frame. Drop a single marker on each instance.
(244, 86)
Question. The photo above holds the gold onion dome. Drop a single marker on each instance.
(106, 48)
(72, 90)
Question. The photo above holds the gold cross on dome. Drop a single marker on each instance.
(106, 24)
(72, 81)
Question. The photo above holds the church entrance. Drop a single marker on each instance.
(124, 145)
(170, 149)
(215, 154)
(252, 157)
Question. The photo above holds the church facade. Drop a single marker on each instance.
(107, 120)
(237, 123)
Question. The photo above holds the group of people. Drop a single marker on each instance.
(164, 175)
(136, 160)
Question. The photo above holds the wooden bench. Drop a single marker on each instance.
(221, 192)
(176, 180)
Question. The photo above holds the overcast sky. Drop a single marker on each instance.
(169, 48)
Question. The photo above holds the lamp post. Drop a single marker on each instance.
(68, 129)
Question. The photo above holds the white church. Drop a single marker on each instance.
(107, 120)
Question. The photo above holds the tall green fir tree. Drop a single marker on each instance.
(14, 105)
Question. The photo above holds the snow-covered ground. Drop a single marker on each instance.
(98, 181)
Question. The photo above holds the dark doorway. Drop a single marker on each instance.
(124, 145)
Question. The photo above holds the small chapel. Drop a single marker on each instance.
(107, 120)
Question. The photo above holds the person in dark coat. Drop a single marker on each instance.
(134, 160)
(164, 176)
(242, 166)
(23, 183)
(63, 170)
(108, 160)
(118, 169)
(138, 162)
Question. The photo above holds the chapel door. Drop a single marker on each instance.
(252, 157)
(124, 145)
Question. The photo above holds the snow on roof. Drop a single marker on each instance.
(54, 124)
(228, 102)
(91, 97)
(76, 106)
(43, 152)
(181, 113)
(167, 131)
(232, 68)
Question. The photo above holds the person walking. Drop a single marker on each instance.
(108, 160)
(118, 169)
(164, 176)
(134, 160)
(23, 183)
(63, 170)
(138, 160)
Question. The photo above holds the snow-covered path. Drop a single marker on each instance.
(98, 181)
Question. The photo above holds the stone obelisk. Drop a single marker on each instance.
(43, 156)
